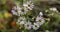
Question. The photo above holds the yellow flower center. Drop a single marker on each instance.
(35, 25)
(40, 20)
(28, 5)
(27, 25)
(16, 10)
(22, 10)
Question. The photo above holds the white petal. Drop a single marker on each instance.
(25, 5)
(29, 8)
(35, 28)
(22, 22)
(41, 14)
(14, 13)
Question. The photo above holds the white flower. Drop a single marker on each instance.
(40, 20)
(36, 26)
(22, 12)
(15, 10)
(28, 25)
(53, 9)
(21, 20)
(41, 14)
(28, 5)
(14, 13)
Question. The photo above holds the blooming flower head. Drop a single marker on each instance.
(36, 26)
(28, 25)
(40, 20)
(22, 12)
(28, 5)
(15, 10)
(21, 20)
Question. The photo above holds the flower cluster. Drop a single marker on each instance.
(16, 10)
(27, 24)
(29, 16)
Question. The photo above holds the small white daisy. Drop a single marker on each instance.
(21, 20)
(28, 5)
(22, 12)
(36, 26)
(14, 13)
(28, 25)
(15, 10)
(40, 20)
